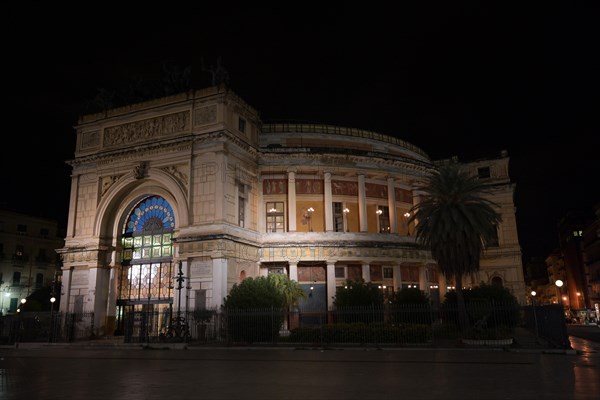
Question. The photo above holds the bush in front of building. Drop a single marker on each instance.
(254, 310)
(358, 301)
(410, 306)
(492, 310)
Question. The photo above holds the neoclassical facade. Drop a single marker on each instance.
(194, 188)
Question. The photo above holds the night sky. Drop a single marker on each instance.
(465, 79)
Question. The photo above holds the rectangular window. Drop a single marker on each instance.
(493, 242)
(241, 204)
(338, 217)
(275, 217)
(483, 172)
(16, 280)
(388, 273)
(384, 219)
(44, 232)
(39, 280)
(339, 272)
(242, 125)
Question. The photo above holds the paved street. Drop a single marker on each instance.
(62, 372)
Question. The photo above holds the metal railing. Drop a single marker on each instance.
(389, 325)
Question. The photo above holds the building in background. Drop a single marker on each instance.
(28, 257)
(573, 269)
(196, 188)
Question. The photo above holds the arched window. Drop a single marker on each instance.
(147, 272)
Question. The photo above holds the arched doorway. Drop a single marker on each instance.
(145, 287)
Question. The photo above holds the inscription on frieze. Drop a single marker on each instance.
(201, 268)
(79, 278)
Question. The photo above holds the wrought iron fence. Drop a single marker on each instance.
(389, 325)
(46, 326)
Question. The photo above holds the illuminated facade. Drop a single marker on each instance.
(198, 180)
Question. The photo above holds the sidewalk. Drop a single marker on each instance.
(524, 341)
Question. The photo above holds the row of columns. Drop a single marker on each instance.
(366, 275)
(328, 198)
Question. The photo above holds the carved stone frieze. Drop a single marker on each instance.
(146, 130)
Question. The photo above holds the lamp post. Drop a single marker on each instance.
(407, 216)
(180, 327)
(309, 217)
(346, 211)
(559, 284)
(533, 293)
(52, 300)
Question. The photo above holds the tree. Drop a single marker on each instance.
(254, 293)
(253, 309)
(291, 291)
(455, 222)
(358, 294)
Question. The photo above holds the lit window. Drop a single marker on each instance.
(275, 216)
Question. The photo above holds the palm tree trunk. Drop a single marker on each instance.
(463, 320)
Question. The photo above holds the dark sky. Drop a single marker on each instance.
(454, 78)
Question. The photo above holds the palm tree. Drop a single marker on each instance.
(455, 221)
(291, 291)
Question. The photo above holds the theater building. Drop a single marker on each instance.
(197, 181)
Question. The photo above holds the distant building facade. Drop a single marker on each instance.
(28, 258)
(195, 186)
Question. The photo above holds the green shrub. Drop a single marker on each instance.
(254, 310)
(488, 307)
(411, 305)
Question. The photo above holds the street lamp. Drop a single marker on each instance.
(346, 211)
(23, 301)
(309, 217)
(559, 284)
(533, 293)
(52, 300)
(406, 216)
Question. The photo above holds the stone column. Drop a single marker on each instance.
(330, 284)
(362, 204)
(293, 266)
(392, 205)
(72, 224)
(328, 203)
(65, 293)
(219, 283)
(366, 273)
(262, 271)
(291, 201)
(397, 277)
(220, 179)
(416, 196)
(423, 284)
